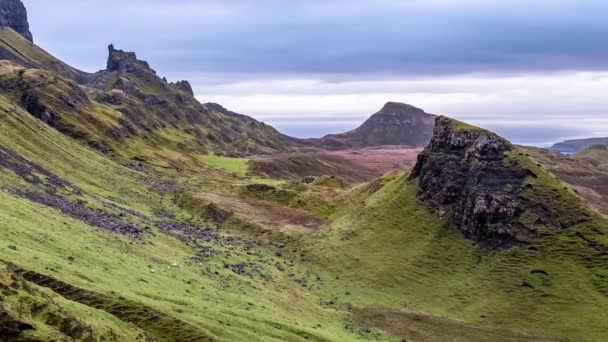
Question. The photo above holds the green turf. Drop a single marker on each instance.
(236, 166)
(383, 255)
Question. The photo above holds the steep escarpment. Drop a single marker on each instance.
(14, 15)
(463, 167)
(395, 124)
(492, 187)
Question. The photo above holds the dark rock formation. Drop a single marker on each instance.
(119, 60)
(14, 15)
(394, 124)
(185, 87)
(464, 168)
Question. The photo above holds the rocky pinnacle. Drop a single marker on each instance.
(463, 169)
(14, 15)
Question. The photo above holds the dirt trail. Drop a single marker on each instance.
(266, 214)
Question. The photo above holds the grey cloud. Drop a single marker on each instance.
(278, 37)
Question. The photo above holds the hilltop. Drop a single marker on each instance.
(394, 124)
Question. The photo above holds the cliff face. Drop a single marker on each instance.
(14, 15)
(464, 168)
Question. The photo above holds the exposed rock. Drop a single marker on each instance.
(154, 100)
(119, 60)
(14, 15)
(464, 167)
(185, 86)
(308, 179)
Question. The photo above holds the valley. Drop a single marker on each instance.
(130, 211)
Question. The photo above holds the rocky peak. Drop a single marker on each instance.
(14, 15)
(463, 170)
(119, 60)
(185, 87)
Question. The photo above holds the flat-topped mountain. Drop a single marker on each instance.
(395, 124)
(577, 145)
(14, 15)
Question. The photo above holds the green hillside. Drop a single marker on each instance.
(128, 212)
(127, 110)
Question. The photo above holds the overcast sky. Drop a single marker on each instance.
(535, 71)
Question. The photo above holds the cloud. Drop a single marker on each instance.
(512, 66)
(336, 36)
(535, 108)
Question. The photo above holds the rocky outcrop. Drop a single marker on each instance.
(119, 60)
(463, 170)
(185, 87)
(14, 15)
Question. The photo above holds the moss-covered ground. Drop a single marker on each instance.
(119, 243)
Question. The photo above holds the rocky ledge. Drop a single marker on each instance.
(463, 171)
(14, 15)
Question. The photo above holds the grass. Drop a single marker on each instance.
(383, 257)
(236, 166)
(32, 54)
(383, 249)
(157, 274)
(392, 252)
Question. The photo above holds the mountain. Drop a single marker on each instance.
(14, 15)
(574, 146)
(479, 231)
(394, 124)
(127, 110)
(116, 226)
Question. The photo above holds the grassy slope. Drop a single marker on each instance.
(237, 166)
(126, 123)
(383, 250)
(32, 55)
(392, 252)
(156, 273)
(587, 171)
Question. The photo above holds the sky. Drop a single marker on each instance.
(533, 71)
